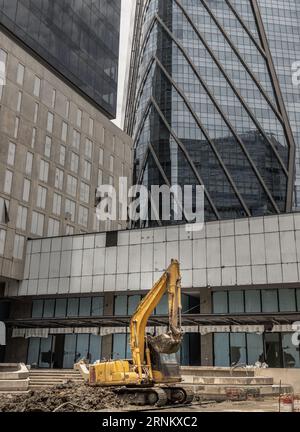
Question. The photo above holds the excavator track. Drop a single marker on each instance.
(156, 396)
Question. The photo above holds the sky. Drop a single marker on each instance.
(127, 22)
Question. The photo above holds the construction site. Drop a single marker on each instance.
(149, 206)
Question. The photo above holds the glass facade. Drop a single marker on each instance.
(206, 108)
(79, 38)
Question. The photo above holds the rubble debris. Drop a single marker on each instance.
(68, 397)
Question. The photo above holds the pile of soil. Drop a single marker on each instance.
(68, 397)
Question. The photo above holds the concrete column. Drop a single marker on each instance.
(16, 349)
(207, 340)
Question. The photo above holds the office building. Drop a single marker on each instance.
(78, 40)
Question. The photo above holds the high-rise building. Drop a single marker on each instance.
(78, 39)
(210, 102)
(56, 148)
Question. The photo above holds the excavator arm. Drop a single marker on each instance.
(167, 343)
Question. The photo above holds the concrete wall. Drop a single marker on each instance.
(244, 253)
(286, 376)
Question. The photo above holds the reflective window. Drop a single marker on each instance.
(37, 308)
(60, 308)
(49, 306)
(221, 349)
(220, 302)
(73, 307)
(269, 301)
(287, 300)
(252, 301)
(85, 306)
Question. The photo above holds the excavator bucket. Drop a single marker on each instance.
(167, 343)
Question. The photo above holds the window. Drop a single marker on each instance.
(220, 302)
(18, 247)
(37, 86)
(91, 127)
(19, 101)
(20, 74)
(114, 144)
(83, 216)
(79, 118)
(26, 190)
(67, 109)
(2, 241)
(62, 155)
(111, 180)
(73, 306)
(269, 300)
(76, 139)
(37, 308)
(71, 185)
(53, 98)
(44, 171)
(37, 223)
(100, 177)
(33, 139)
(22, 218)
(64, 131)
(59, 179)
(11, 154)
(56, 209)
(85, 306)
(16, 129)
(287, 300)
(87, 168)
(84, 193)
(60, 308)
(28, 166)
(97, 306)
(3, 58)
(101, 156)
(36, 112)
(53, 228)
(221, 349)
(50, 119)
(8, 182)
(48, 145)
(252, 301)
(74, 162)
(88, 148)
(70, 207)
(236, 302)
(4, 208)
(49, 306)
(41, 197)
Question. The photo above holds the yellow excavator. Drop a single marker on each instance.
(152, 376)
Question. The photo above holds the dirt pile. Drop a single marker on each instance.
(67, 397)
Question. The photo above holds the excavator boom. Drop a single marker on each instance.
(167, 343)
